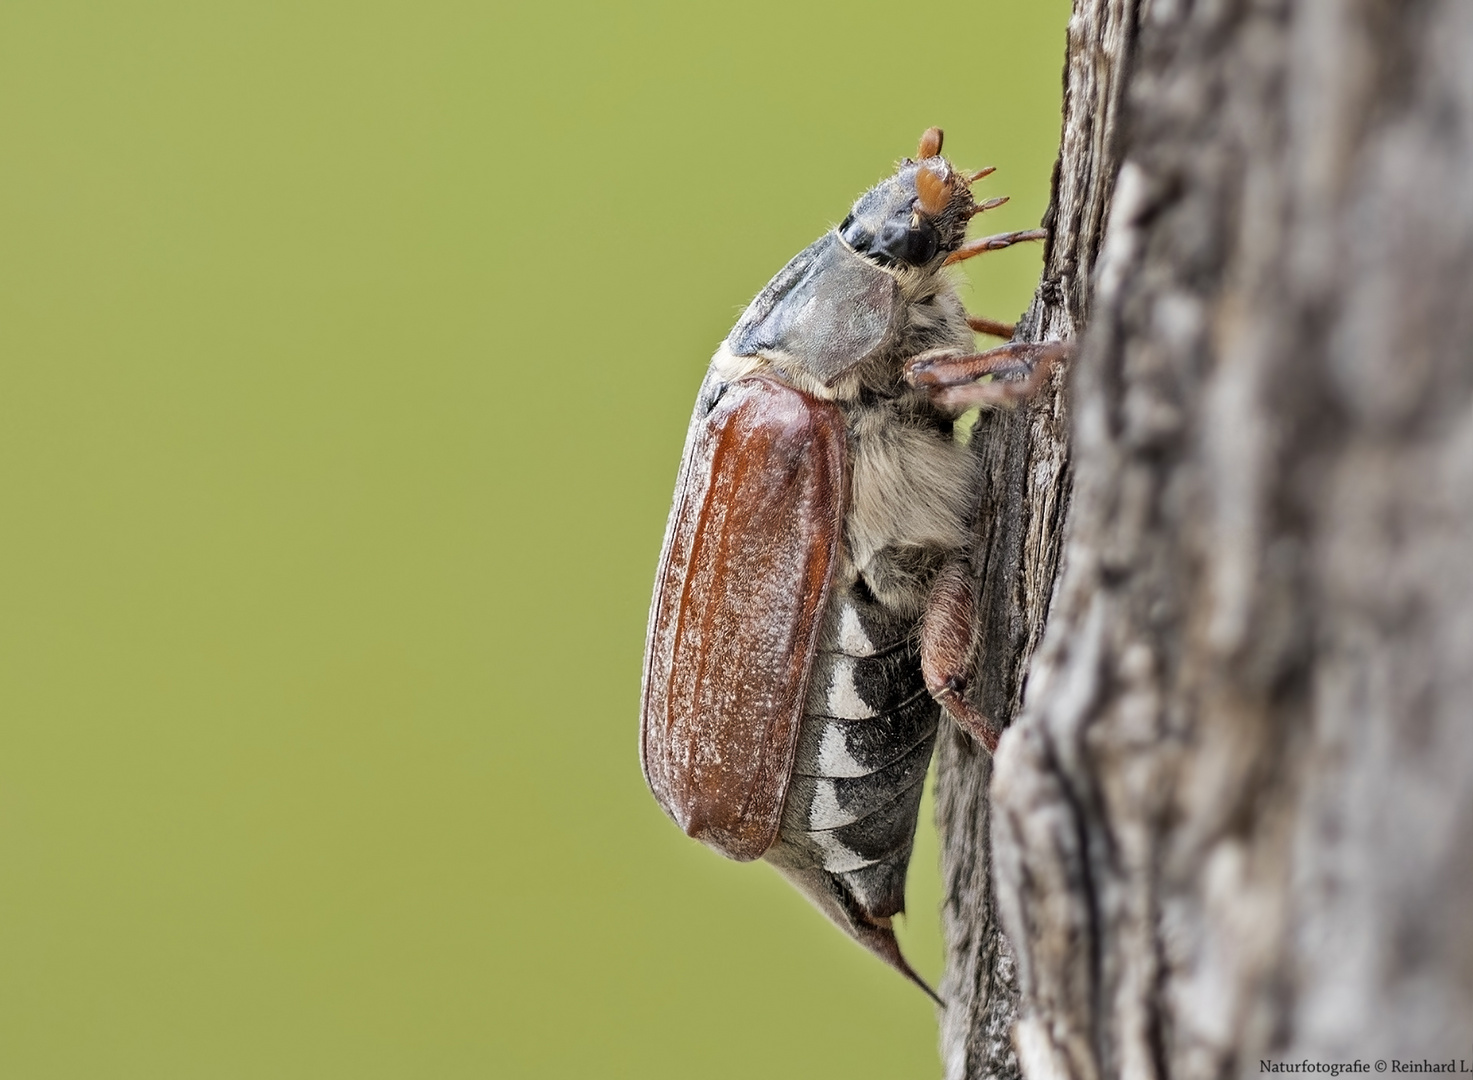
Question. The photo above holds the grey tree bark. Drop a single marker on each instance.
(1024, 457)
(1233, 819)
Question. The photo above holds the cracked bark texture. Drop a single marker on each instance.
(1027, 481)
(1234, 818)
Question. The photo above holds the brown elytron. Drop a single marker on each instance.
(813, 609)
(743, 583)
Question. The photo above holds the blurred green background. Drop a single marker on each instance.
(346, 352)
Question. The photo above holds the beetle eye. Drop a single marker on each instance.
(892, 241)
(921, 245)
(898, 242)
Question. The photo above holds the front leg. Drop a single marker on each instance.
(1018, 370)
(946, 649)
(972, 248)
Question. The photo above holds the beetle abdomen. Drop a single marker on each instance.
(864, 744)
(857, 822)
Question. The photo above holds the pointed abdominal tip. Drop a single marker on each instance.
(879, 937)
(930, 144)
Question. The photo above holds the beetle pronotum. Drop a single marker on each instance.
(813, 607)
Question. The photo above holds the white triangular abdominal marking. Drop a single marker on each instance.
(824, 812)
(852, 638)
(844, 700)
(838, 857)
(834, 758)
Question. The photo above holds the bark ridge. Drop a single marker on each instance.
(1231, 823)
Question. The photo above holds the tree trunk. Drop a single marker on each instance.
(1020, 534)
(1234, 820)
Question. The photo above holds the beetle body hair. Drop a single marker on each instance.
(912, 488)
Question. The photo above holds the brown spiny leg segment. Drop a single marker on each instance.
(989, 204)
(946, 649)
(1019, 369)
(994, 243)
(983, 325)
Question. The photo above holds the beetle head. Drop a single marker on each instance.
(916, 217)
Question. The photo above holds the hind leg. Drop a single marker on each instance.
(946, 650)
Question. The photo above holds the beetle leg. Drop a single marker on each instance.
(1020, 367)
(993, 243)
(1016, 359)
(946, 650)
(984, 325)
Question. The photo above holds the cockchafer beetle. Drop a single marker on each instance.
(813, 607)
